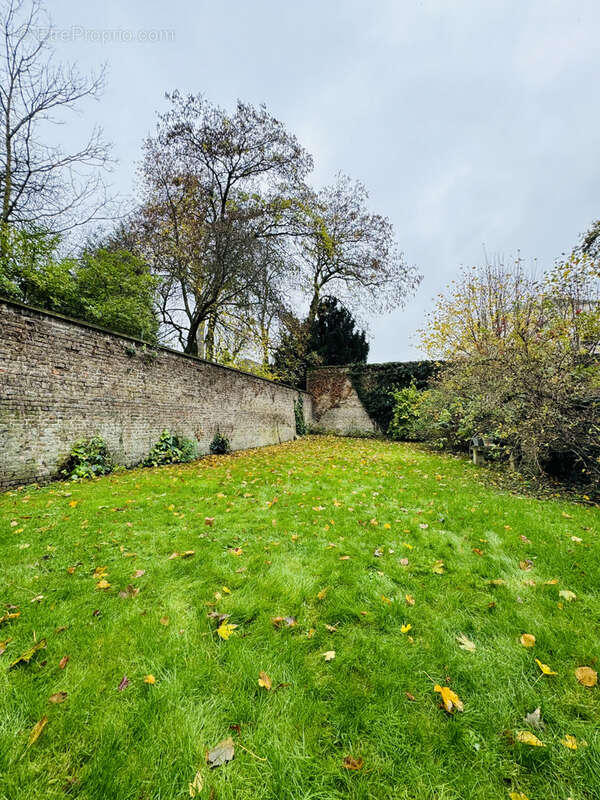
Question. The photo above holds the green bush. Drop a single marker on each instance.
(171, 449)
(405, 412)
(299, 414)
(88, 459)
(220, 445)
(374, 384)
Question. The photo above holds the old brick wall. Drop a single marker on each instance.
(336, 405)
(61, 380)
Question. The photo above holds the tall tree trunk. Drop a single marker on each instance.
(314, 305)
(191, 344)
(200, 340)
(209, 339)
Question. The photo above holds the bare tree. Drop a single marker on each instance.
(40, 183)
(351, 251)
(215, 186)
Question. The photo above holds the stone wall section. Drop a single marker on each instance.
(337, 407)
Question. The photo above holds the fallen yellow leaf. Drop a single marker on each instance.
(586, 676)
(570, 742)
(545, 668)
(37, 729)
(196, 785)
(527, 640)
(526, 737)
(567, 595)
(405, 628)
(450, 699)
(264, 681)
(225, 630)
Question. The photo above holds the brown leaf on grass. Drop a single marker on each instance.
(209, 520)
(451, 701)
(586, 676)
(164, 620)
(221, 753)
(63, 662)
(130, 591)
(58, 697)
(527, 640)
(37, 729)
(278, 621)
(478, 551)
(139, 572)
(410, 697)
(330, 628)
(236, 551)
(409, 599)
(404, 562)
(264, 681)
(526, 565)
(124, 683)
(26, 657)
(344, 558)
(353, 763)
(219, 617)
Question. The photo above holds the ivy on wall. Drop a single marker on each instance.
(374, 384)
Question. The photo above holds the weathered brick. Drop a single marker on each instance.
(62, 380)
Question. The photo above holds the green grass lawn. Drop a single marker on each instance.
(342, 536)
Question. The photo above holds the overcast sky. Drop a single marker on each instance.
(475, 125)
